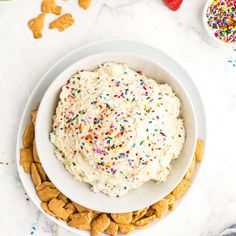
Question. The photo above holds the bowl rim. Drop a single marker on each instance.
(68, 71)
(207, 28)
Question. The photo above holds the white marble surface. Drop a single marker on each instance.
(211, 205)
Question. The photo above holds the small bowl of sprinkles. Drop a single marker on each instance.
(219, 19)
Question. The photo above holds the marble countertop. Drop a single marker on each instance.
(211, 205)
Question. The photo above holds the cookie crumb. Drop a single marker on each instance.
(181, 188)
(49, 6)
(36, 25)
(26, 158)
(62, 23)
(84, 4)
(200, 150)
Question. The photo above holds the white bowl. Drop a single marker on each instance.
(211, 32)
(81, 193)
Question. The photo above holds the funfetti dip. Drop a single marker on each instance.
(221, 19)
(117, 129)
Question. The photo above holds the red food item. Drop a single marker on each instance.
(174, 5)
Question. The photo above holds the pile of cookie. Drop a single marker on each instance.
(59, 206)
(61, 23)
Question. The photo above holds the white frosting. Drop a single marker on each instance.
(117, 129)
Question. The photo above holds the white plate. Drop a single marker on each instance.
(148, 193)
(90, 49)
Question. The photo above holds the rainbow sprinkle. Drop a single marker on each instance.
(33, 229)
(232, 62)
(221, 16)
(7, 163)
(26, 197)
